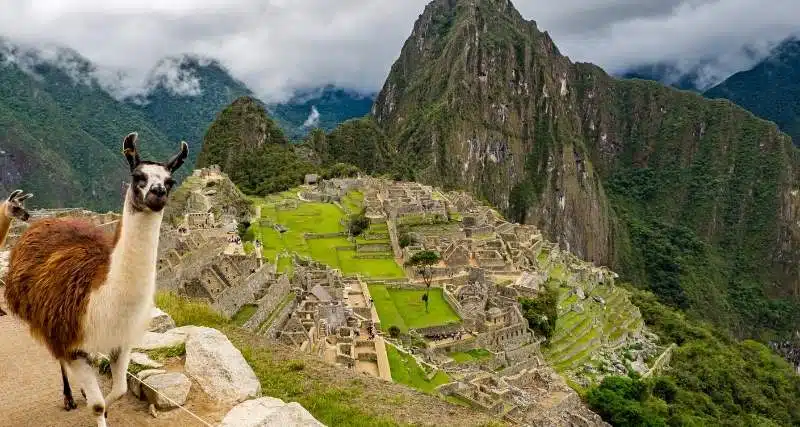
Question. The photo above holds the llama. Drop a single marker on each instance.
(82, 291)
(9, 210)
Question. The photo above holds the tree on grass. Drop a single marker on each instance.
(422, 261)
(358, 223)
(542, 312)
(394, 331)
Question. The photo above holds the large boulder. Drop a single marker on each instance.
(160, 321)
(219, 367)
(269, 411)
(156, 340)
(167, 391)
(135, 381)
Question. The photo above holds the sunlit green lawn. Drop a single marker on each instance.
(320, 218)
(405, 308)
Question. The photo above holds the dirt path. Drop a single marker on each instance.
(30, 390)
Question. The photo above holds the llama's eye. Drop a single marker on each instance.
(139, 179)
(169, 182)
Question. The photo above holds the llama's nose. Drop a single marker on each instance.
(158, 190)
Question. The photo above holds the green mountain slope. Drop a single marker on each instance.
(252, 149)
(770, 89)
(60, 136)
(693, 199)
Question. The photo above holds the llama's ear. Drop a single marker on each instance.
(177, 160)
(14, 195)
(129, 149)
(25, 197)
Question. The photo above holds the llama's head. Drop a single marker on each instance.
(151, 182)
(12, 207)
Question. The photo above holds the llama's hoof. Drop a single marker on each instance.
(69, 403)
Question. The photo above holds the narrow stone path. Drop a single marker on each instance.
(30, 390)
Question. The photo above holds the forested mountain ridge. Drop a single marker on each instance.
(61, 133)
(770, 89)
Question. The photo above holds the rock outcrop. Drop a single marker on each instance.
(160, 321)
(167, 391)
(219, 367)
(267, 412)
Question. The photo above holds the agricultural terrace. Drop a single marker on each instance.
(300, 219)
(406, 370)
(405, 309)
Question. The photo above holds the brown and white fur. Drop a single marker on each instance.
(12, 209)
(83, 292)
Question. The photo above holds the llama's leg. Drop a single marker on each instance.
(83, 373)
(120, 359)
(69, 402)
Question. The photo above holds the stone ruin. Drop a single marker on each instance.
(195, 265)
(410, 202)
(330, 317)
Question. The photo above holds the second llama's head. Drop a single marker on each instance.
(151, 182)
(13, 207)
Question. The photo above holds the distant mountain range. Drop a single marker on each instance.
(60, 128)
(770, 89)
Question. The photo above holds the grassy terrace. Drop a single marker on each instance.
(578, 335)
(406, 370)
(477, 354)
(315, 218)
(405, 309)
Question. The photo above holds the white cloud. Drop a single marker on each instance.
(313, 118)
(276, 46)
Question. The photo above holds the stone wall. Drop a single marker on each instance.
(275, 294)
(230, 300)
(281, 318)
(439, 329)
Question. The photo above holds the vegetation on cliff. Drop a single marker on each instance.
(711, 380)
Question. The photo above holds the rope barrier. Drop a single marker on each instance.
(167, 398)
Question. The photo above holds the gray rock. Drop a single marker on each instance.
(135, 386)
(156, 340)
(142, 359)
(579, 293)
(160, 321)
(167, 391)
(219, 367)
(269, 411)
(640, 367)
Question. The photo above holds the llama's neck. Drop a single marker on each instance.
(133, 261)
(5, 223)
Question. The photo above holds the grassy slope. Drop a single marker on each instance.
(335, 396)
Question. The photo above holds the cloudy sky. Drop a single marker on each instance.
(277, 45)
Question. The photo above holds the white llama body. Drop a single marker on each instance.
(118, 312)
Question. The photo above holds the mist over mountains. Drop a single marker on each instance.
(62, 117)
